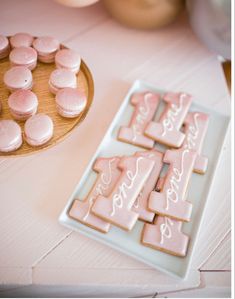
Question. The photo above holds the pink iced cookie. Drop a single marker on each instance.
(165, 235)
(24, 56)
(167, 129)
(18, 77)
(21, 40)
(4, 46)
(140, 206)
(196, 125)
(171, 200)
(116, 208)
(145, 105)
(108, 174)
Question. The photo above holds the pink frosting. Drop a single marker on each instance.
(21, 40)
(141, 204)
(23, 56)
(23, 101)
(167, 129)
(145, 105)
(18, 77)
(38, 129)
(171, 200)
(166, 235)
(196, 125)
(116, 208)
(108, 174)
(10, 135)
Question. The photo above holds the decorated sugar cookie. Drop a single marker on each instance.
(165, 234)
(145, 105)
(116, 208)
(196, 125)
(171, 200)
(108, 174)
(140, 206)
(167, 129)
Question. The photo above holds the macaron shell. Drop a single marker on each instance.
(62, 78)
(46, 45)
(71, 100)
(23, 56)
(21, 40)
(10, 136)
(23, 101)
(67, 58)
(18, 77)
(38, 129)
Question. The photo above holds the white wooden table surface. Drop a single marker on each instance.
(40, 257)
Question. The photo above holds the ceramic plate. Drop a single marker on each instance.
(198, 193)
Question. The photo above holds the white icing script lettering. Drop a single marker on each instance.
(193, 133)
(143, 112)
(165, 229)
(172, 113)
(118, 198)
(172, 192)
(102, 186)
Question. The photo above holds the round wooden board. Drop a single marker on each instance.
(62, 126)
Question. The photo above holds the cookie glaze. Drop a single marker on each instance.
(167, 129)
(165, 234)
(196, 125)
(140, 206)
(171, 200)
(145, 106)
(108, 174)
(116, 208)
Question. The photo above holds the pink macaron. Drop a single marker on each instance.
(70, 102)
(68, 59)
(4, 46)
(23, 104)
(38, 129)
(10, 136)
(46, 47)
(21, 40)
(24, 56)
(61, 78)
(18, 77)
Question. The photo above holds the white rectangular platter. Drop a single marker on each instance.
(198, 193)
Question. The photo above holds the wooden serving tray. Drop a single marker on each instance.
(62, 126)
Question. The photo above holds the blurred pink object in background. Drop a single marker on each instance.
(211, 21)
(76, 3)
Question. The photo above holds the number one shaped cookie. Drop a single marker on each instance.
(167, 129)
(108, 174)
(145, 107)
(116, 208)
(165, 234)
(196, 125)
(140, 206)
(171, 200)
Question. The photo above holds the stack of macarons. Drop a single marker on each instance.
(24, 51)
